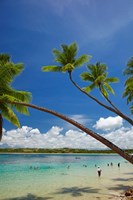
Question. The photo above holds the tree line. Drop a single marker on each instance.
(58, 150)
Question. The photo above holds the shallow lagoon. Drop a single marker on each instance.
(62, 176)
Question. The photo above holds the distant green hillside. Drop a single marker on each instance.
(62, 150)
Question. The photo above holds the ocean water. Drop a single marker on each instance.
(62, 176)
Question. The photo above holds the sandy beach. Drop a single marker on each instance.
(62, 177)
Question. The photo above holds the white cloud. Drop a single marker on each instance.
(80, 118)
(54, 138)
(108, 123)
(83, 119)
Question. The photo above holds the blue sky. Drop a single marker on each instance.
(29, 30)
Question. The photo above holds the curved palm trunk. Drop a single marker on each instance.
(0, 126)
(114, 109)
(117, 110)
(84, 129)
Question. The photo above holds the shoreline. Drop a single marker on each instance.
(77, 179)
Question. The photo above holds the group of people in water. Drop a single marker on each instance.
(99, 170)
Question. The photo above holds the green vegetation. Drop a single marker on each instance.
(61, 150)
(128, 92)
(8, 72)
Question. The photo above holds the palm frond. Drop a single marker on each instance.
(52, 68)
(130, 63)
(100, 79)
(129, 82)
(4, 58)
(18, 95)
(112, 80)
(81, 60)
(87, 77)
(68, 67)
(89, 88)
(108, 88)
(9, 71)
(104, 92)
(8, 99)
(8, 114)
(73, 48)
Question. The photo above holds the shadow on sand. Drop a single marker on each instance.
(76, 191)
(123, 179)
(119, 187)
(29, 197)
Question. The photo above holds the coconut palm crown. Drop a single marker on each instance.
(8, 71)
(97, 75)
(67, 59)
(128, 92)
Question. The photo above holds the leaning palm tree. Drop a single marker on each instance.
(8, 71)
(89, 132)
(129, 83)
(98, 77)
(68, 63)
(10, 99)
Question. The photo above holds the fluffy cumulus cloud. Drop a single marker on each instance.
(29, 137)
(109, 123)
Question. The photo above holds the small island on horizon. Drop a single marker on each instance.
(58, 150)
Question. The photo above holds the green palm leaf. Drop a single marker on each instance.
(89, 88)
(87, 77)
(52, 68)
(104, 92)
(8, 114)
(81, 60)
(108, 88)
(68, 67)
(128, 91)
(112, 80)
(8, 95)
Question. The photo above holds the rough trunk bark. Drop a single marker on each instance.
(84, 129)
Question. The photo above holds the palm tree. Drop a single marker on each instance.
(97, 75)
(67, 59)
(68, 63)
(8, 71)
(129, 83)
(11, 99)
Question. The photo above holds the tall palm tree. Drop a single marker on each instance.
(68, 63)
(8, 71)
(128, 92)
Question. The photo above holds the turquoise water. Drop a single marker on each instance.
(59, 176)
